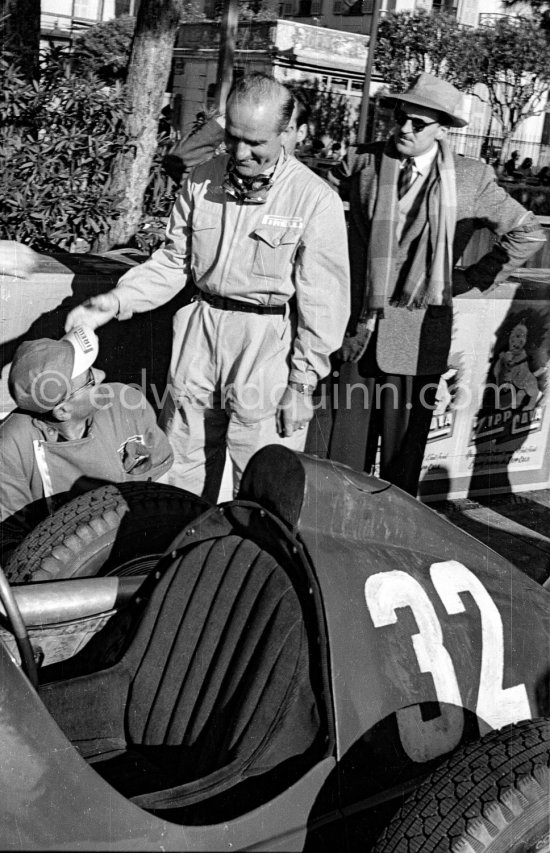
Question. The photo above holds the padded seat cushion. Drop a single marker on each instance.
(218, 678)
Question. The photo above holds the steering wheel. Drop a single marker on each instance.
(7, 599)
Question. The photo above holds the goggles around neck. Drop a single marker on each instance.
(251, 190)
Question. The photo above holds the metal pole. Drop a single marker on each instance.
(228, 40)
(364, 113)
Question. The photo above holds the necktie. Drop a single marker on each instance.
(405, 177)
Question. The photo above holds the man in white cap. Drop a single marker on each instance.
(69, 425)
(413, 207)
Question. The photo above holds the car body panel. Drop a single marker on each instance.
(427, 639)
(431, 634)
(51, 799)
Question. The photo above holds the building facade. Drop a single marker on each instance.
(62, 20)
(355, 16)
(327, 41)
(293, 52)
(319, 41)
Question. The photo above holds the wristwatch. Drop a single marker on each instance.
(301, 387)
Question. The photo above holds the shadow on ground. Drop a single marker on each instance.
(136, 351)
(516, 526)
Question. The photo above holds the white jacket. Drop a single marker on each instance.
(294, 244)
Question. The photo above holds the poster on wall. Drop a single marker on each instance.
(490, 431)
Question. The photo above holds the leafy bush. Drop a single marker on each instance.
(58, 138)
(104, 49)
(411, 42)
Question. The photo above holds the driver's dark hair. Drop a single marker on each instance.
(261, 88)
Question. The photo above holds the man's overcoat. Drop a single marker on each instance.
(417, 342)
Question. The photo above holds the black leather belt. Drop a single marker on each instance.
(227, 304)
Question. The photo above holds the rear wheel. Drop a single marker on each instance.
(492, 796)
(118, 529)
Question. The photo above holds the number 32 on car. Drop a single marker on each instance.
(496, 706)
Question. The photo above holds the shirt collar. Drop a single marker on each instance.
(51, 433)
(423, 162)
(281, 160)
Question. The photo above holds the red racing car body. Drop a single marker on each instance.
(300, 661)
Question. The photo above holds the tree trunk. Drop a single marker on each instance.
(506, 146)
(228, 41)
(21, 33)
(148, 72)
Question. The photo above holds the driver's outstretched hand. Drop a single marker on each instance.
(95, 312)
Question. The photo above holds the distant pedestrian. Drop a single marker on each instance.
(526, 168)
(165, 121)
(511, 165)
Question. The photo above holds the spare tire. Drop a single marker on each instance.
(117, 529)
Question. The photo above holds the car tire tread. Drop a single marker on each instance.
(472, 798)
(86, 527)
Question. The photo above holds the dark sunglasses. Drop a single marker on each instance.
(89, 384)
(418, 124)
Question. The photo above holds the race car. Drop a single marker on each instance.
(322, 664)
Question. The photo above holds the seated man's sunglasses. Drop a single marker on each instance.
(90, 383)
(418, 124)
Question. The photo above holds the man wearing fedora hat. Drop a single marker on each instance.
(413, 207)
(70, 427)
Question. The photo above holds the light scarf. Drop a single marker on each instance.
(248, 190)
(251, 190)
(430, 276)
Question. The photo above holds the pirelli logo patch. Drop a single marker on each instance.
(283, 221)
